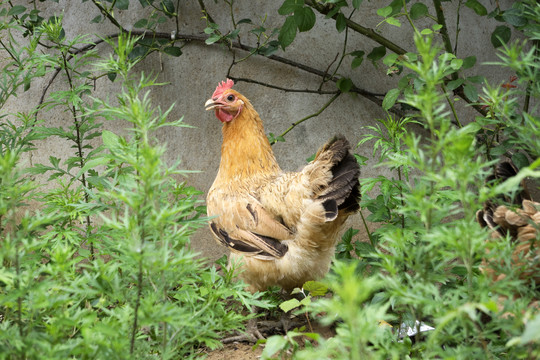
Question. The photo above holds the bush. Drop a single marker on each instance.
(102, 268)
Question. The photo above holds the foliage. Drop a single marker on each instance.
(96, 269)
(425, 260)
(102, 267)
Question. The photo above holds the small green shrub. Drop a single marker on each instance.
(102, 268)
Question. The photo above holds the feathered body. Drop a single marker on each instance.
(281, 227)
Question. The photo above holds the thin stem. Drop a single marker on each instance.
(457, 26)
(451, 103)
(78, 142)
(309, 116)
(444, 30)
(344, 51)
(324, 77)
(138, 300)
(17, 287)
(368, 232)
(108, 15)
(9, 52)
(409, 19)
(400, 188)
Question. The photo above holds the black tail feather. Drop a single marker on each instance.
(344, 188)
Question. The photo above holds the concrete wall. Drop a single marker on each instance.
(193, 76)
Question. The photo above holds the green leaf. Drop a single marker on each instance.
(290, 6)
(393, 21)
(245, 21)
(138, 52)
(459, 270)
(363, 249)
(454, 84)
(212, 39)
(288, 305)
(390, 98)
(111, 140)
(357, 61)
(54, 161)
(385, 11)
(287, 33)
(141, 23)
(356, 4)
(469, 62)
(470, 92)
(501, 32)
(532, 331)
(514, 17)
(390, 59)
(168, 7)
(84, 252)
(344, 84)
(306, 301)
(315, 288)
(122, 4)
(112, 76)
(273, 345)
(97, 19)
(341, 22)
(456, 64)
(377, 53)
(16, 10)
(93, 163)
(478, 79)
(348, 235)
(173, 51)
(418, 11)
(304, 18)
(478, 8)
(520, 160)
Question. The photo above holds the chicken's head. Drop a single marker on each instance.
(226, 102)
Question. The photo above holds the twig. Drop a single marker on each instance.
(327, 71)
(444, 30)
(372, 34)
(108, 15)
(374, 97)
(457, 26)
(309, 116)
(451, 103)
(203, 9)
(320, 92)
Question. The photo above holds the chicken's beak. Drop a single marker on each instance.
(211, 104)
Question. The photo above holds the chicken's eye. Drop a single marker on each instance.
(230, 98)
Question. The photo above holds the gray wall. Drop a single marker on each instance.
(193, 76)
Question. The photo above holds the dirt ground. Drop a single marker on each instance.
(236, 351)
(245, 351)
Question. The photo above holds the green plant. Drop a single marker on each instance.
(429, 248)
(102, 267)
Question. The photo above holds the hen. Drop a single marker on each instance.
(281, 227)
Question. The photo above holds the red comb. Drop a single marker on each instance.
(224, 85)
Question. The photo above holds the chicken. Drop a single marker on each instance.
(520, 225)
(281, 227)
